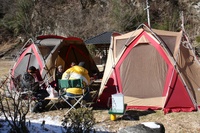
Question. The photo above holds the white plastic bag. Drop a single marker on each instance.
(51, 91)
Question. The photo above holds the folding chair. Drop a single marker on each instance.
(75, 83)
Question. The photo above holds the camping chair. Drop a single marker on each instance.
(75, 83)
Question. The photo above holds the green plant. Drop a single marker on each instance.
(198, 39)
(80, 120)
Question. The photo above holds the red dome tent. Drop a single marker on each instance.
(154, 69)
(50, 51)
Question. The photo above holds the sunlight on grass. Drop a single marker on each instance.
(5, 66)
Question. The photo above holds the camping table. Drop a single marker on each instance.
(98, 81)
(53, 101)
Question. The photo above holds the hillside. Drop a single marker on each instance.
(23, 19)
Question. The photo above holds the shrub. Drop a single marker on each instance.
(14, 109)
(80, 120)
(198, 39)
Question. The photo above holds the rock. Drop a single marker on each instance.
(146, 127)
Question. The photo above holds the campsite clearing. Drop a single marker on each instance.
(173, 122)
(5, 66)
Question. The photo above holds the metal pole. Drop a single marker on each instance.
(182, 20)
(147, 8)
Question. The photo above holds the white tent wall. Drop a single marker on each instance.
(29, 57)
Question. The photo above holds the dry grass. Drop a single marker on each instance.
(5, 66)
(173, 122)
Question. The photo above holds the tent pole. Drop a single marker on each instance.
(190, 48)
(29, 59)
(168, 88)
(186, 37)
(191, 96)
(45, 64)
(21, 50)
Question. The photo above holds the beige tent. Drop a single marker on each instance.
(154, 69)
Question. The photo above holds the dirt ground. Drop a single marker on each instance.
(173, 122)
